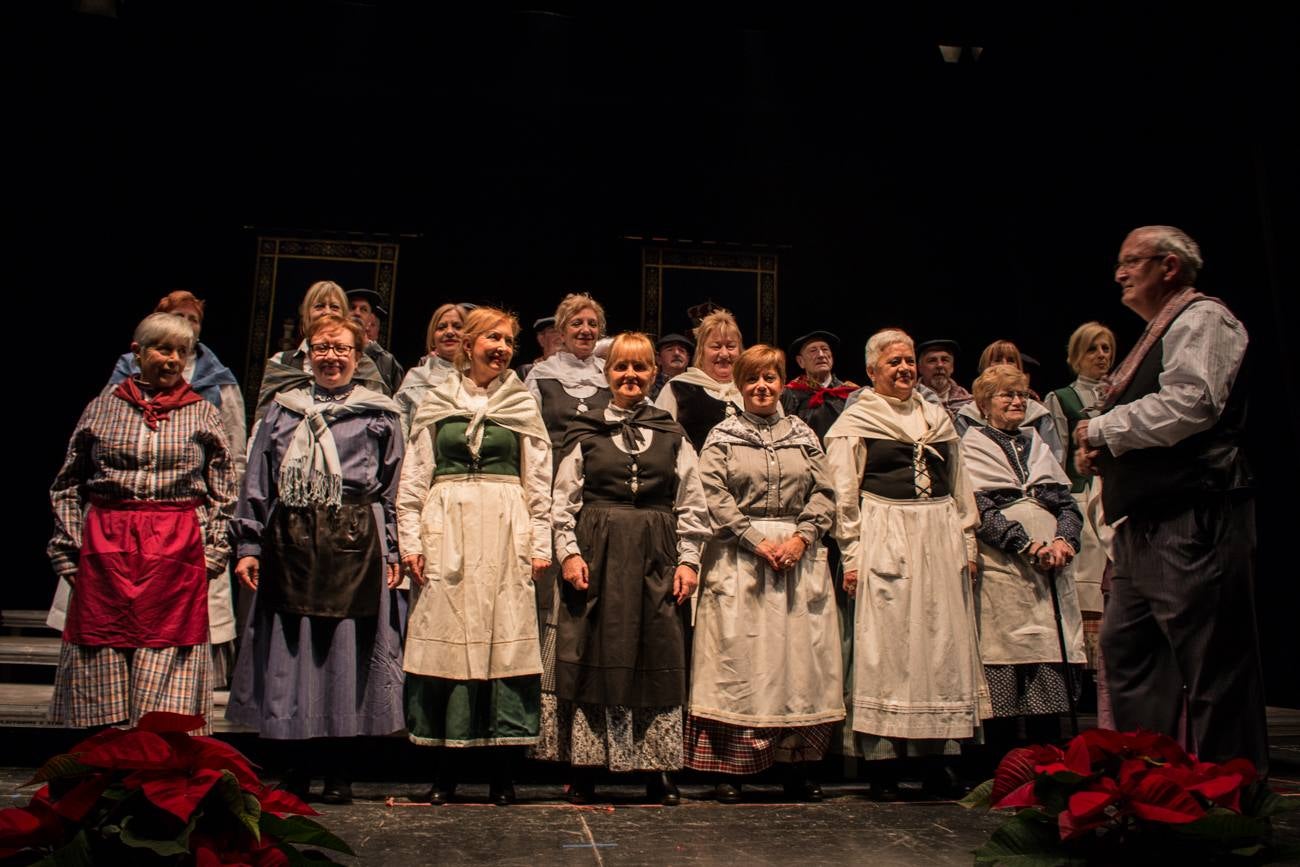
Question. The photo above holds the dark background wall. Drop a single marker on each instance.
(514, 150)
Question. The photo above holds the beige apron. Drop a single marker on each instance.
(767, 646)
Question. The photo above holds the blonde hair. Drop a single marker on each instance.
(321, 290)
(755, 360)
(442, 311)
(631, 344)
(334, 320)
(480, 321)
(1083, 338)
(718, 320)
(573, 304)
(882, 340)
(180, 298)
(995, 378)
(996, 350)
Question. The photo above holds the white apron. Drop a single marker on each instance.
(916, 662)
(475, 618)
(1014, 608)
(767, 645)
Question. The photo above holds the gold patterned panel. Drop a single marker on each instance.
(286, 266)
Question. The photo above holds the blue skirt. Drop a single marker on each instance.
(301, 677)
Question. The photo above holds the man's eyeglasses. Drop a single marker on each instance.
(1129, 261)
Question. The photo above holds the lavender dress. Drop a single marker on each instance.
(300, 676)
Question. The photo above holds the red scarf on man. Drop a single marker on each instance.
(164, 402)
(819, 393)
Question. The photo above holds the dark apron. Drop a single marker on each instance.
(324, 561)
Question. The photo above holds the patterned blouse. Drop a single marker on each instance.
(113, 455)
(995, 529)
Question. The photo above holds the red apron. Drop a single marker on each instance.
(141, 579)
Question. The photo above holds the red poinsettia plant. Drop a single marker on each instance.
(1114, 797)
(154, 794)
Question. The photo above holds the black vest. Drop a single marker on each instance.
(698, 411)
(795, 402)
(889, 472)
(1162, 479)
(609, 472)
(559, 407)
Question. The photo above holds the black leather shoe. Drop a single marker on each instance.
(337, 791)
(803, 790)
(296, 782)
(502, 793)
(727, 793)
(661, 788)
(581, 791)
(885, 790)
(440, 793)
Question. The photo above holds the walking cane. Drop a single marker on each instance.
(1065, 657)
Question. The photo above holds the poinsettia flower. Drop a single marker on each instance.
(81, 798)
(133, 750)
(205, 752)
(1020, 766)
(279, 801)
(1071, 827)
(180, 795)
(159, 721)
(37, 824)
(1023, 796)
(1157, 798)
(1089, 802)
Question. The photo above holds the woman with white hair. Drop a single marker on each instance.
(1028, 536)
(906, 526)
(149, 464)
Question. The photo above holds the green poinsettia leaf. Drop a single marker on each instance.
(300, 829)
(980, 797)
(178, 845)
(243, 806)
(1025, 840)
(110, 830)
(75, 853)
(310, 858)
(59, 768)
(1225, 826)
(1248, 851)
(252, 815)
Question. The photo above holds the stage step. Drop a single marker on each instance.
(25, 619)
(28, 705)
(30, 650)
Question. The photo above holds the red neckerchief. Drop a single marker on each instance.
(819, 393)
(1118, 381)
(156, 410)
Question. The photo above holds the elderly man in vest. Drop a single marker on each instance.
(1175, 484)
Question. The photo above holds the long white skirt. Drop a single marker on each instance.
(917, 669)
(766, 650)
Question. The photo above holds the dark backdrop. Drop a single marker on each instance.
(514, 150)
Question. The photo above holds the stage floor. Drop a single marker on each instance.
(385, 827)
